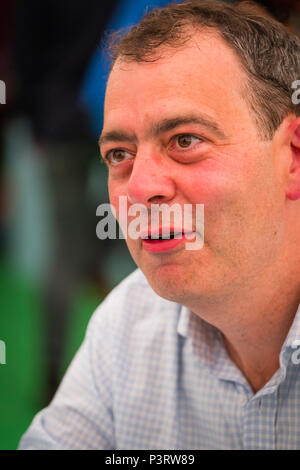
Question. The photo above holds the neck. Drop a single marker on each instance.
(254, 325)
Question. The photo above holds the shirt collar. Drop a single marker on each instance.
(294, 331)
(211, 349)
(292, 337)
(291, 342)
(204, 339)
(183, 321)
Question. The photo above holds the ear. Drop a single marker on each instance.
(293, 184)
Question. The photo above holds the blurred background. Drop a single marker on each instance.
(54, 271)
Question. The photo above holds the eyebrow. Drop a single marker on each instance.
(165, 125)
(116, 136)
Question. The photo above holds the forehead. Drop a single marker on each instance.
(205, 73)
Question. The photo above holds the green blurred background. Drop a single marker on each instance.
(23, 380)
(28, 223)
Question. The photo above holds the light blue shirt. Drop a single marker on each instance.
(150, 374)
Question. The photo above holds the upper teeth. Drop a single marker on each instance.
(163, 236)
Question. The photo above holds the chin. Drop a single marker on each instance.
(168, 292)
(169, 282)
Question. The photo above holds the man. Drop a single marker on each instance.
(198, 352)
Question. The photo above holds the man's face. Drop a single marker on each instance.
(178, 130)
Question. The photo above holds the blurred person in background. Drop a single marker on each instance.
(54, 43)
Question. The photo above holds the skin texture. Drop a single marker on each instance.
(245, 280)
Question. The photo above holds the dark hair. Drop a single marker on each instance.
(268, 52)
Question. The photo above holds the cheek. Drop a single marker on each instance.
(211, 185)
(235, 199)
(225, 178)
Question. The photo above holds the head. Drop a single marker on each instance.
(199, 110)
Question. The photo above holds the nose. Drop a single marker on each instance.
(150, 181)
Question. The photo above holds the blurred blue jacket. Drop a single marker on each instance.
(126, 14)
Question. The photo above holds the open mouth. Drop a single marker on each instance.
(163, 236)
(162, 240)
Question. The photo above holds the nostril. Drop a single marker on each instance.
(155, 199)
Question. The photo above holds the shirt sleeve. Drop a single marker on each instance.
(80, 415)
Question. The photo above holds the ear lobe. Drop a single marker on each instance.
(293, 187)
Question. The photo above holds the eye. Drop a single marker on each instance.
(116, 156)
(185, 141)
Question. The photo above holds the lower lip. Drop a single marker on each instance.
(160, 246)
